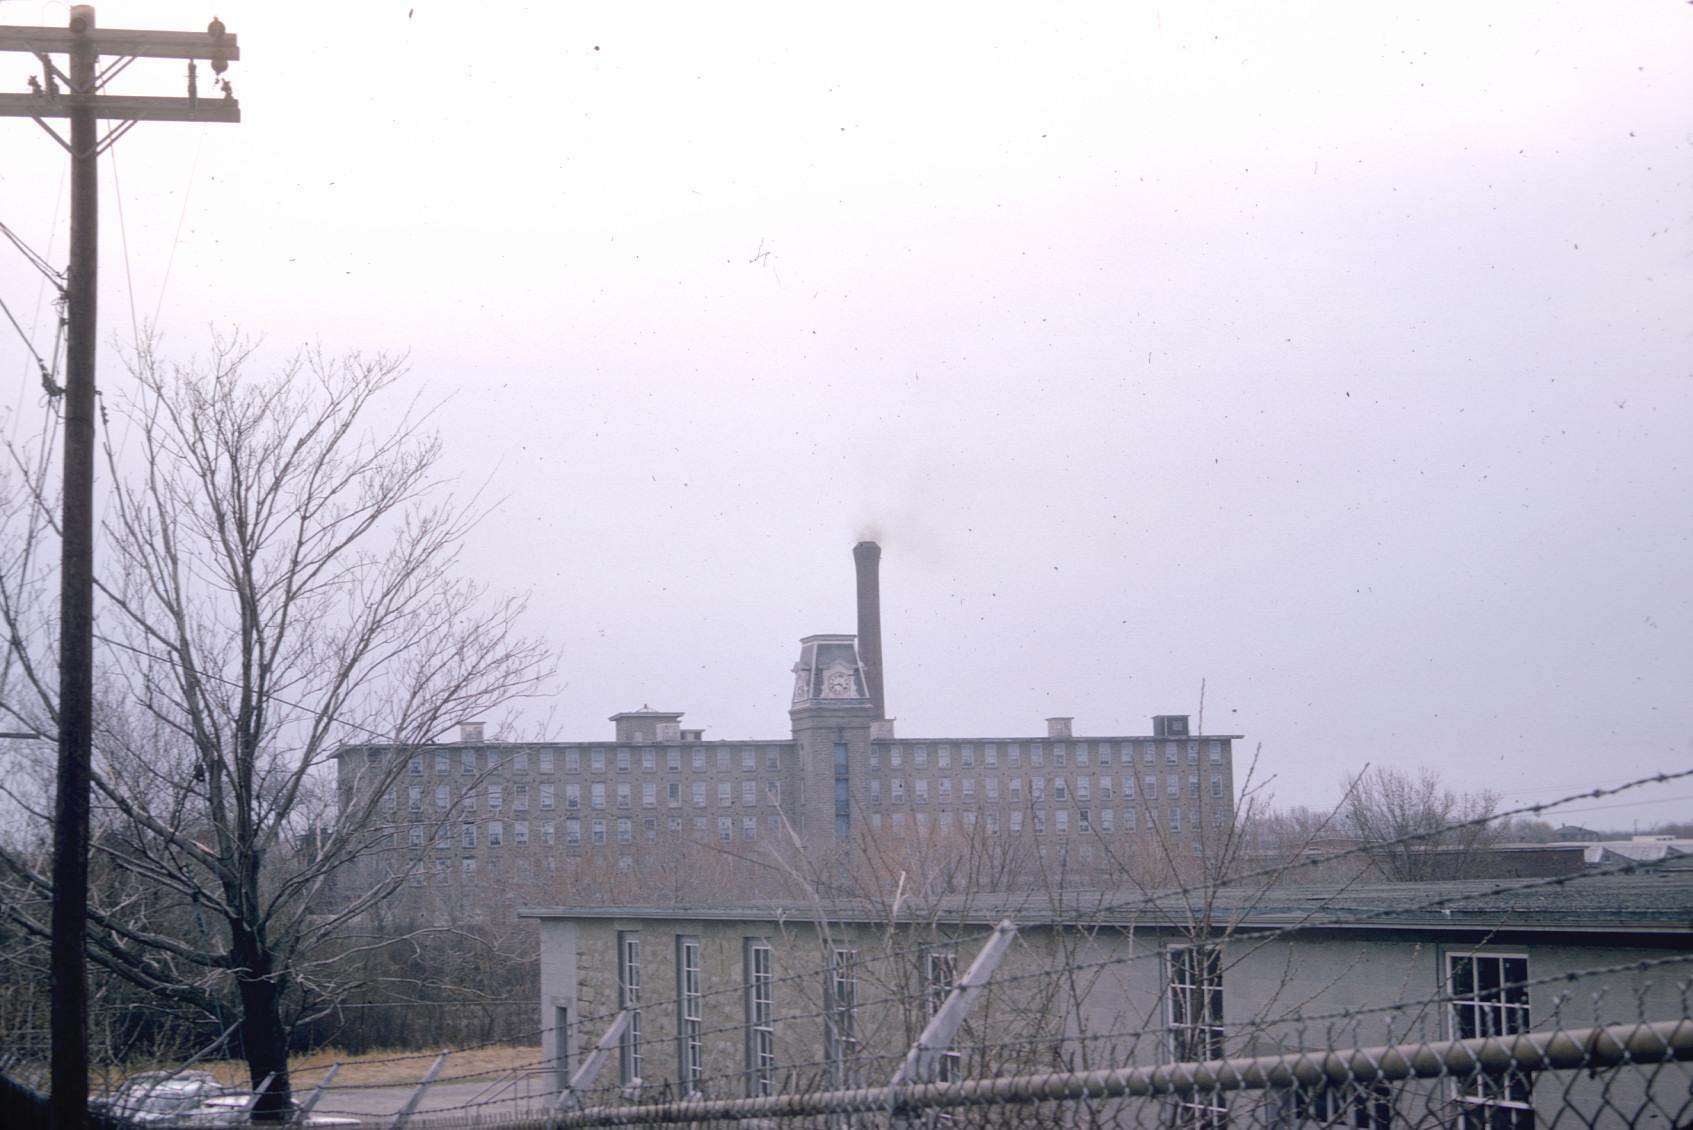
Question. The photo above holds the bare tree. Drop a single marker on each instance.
(278, 582)
(1423, 829)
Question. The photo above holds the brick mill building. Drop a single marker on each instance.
(659, 800)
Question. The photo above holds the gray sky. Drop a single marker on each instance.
(1338, 355)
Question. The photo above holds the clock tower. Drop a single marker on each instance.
(832, 713)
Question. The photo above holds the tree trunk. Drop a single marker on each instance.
(263, 1038)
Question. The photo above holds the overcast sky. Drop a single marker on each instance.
(1339, 356)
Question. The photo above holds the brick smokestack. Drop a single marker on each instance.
(867, 555)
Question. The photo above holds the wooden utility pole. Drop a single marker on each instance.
(85, 106)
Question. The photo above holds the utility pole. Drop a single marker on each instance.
(85, 106)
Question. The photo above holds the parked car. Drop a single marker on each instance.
(158, 1096)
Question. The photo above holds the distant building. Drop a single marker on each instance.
(518, 817)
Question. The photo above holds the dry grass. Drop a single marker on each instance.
(379, 1067)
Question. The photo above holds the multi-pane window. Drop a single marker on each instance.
(572, 761)
(572, 830)
(443, 761)
(649, 760)
(842, 1006)
(940, 974)
(761, 1018)
(649, 794)
(495, 798)
(699, 794)
(596, 760)
(673, 759)
(520, 761)
(697, 759)
(725, 794)
(468, 834)
(991, 787)
(596, 830)
(723, 759)
(749, 793)
(520, 797)
(573, 796)
(496, 833)
(673, 793)
(725, 828)
(990, 756)
(545, 757)
(441, 798)
(967, 787)
(625, 830)
(629, 999)
(773, 758)
(1216, 788)
(690, 1018)
(623, 794)
(1195, 1023)
(623, 761)
(749, 759)
(467, 763)
(596, 794)
(1490, 998)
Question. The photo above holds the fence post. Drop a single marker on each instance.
(317, 1091)
(585, 1074)
(258, 1093)
(404, 1114)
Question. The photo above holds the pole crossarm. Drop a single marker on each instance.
(121, 41)
(121, 107)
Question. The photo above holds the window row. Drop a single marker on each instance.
(468, 762)
(1087, 821)
(620, 794)
(1062, 753)
(1063, 788)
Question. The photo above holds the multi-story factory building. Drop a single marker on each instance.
(658, 803)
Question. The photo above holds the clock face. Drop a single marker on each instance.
(839, 685)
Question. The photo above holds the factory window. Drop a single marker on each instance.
(993, 823)
(623, 761)
(624, 794)
(1105, 788)
(1195, 1024)
(572, 761)
(1175, 819)
(520, 832)
(414, 836)
(967, 756)
(1061, 821)
(875, 757)
(699, 794)
(467, 762)
(573, 795)
(673, 759)
(945, 794)
(596, 795)
(725, 828)
(649, 794)
(1172, 788)
(940, 974)
(1193, 753)
(467, 834)
(496, 833)
(469, 799)
(896, 790)
(875, 790)
(749, 827)
(1037, 789)
(597, 830)
(1106, 821)
(920, 757)
(749, 759)
(520, 797)
(1060, 789)
(415, 766)
(773, 758)
(443, 761)
(572, 830)
(1083, 788)
(723, 759)
(520, 761)
(1037, 821)
(690, 1017)
(773, 793)
(468, 865)
(1149, 754)
(761, 1018)
(441, 799)
(1015, 789)
(596, 760)
(843, 802)
(546, 796)
(1215, 751)
(495, 797)
(920, 788)
(1490, 998)
(1129, 818)
(1104, 755)
(548, 831)
(545, 757)
(967, 787)
(1014, 755)
(1037, 755)
(629, 999)
(990, 756)
(1081, 755)
(749, 793)
(698, 759)
(725, 794)
(1170, 753)
(991, 787)
(625, 830)
(1016, 818)
(1060, 755)
(1193, 786)
(943, 757)
(896, 757)
(841, 1008)
(649, 760)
